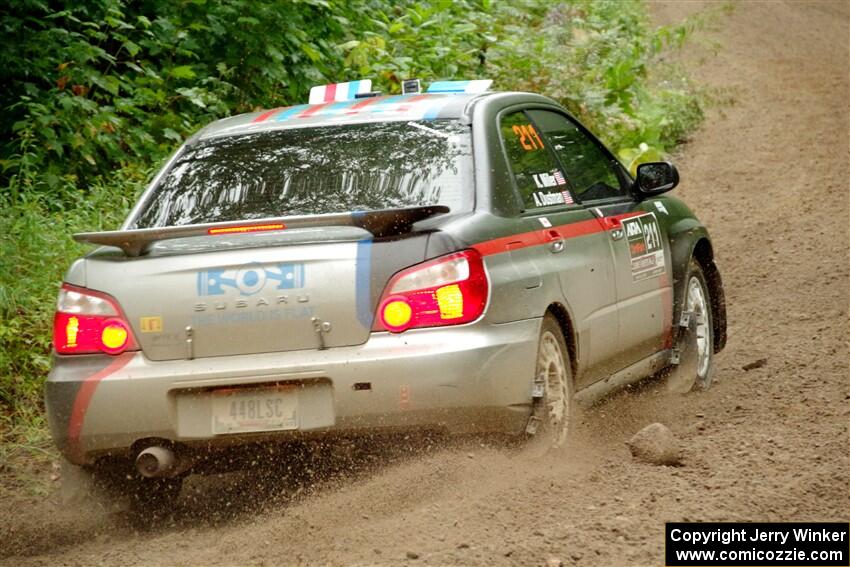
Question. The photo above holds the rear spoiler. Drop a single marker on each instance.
(384, 222)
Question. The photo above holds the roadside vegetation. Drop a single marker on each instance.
(96, 95)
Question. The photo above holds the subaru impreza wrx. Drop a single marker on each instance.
(458, 260)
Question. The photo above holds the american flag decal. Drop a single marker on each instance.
(568, 198)
(559, 177)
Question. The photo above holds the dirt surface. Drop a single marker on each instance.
(769, 176)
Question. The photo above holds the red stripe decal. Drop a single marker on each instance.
(312, 110)
(268, 114)
(81, 403)
(544, 235)
(357, 106)
(330, 92)
(406, 104)
(499, 245)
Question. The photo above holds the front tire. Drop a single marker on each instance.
(552, 405)
(695, 343)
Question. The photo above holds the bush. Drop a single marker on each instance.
(35, 250)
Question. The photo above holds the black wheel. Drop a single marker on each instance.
(552, 406)
(695, 343)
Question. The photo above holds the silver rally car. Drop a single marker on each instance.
(458, 260)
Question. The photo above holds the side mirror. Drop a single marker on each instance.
(656, 177)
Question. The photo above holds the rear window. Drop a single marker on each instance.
(308, 171)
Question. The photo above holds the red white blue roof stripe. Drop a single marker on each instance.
(450, 104)
(339, 91)
(407, 107)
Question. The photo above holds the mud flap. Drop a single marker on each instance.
(684, 358)
(538, 391)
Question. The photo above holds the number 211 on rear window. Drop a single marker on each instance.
(528, 138)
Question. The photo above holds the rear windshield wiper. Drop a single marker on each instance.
(383, 222)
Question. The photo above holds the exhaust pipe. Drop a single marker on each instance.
(158, 462)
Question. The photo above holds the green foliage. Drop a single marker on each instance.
(431, 41)
(35, 250)
(103, 84)
(95, 93)
(601, 60)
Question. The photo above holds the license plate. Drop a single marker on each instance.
(243, 411)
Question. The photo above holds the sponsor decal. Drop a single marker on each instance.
(545, 180)
(151, 324)
(542, 199)
(404, 397)
(646, 248)
(660, 206)
(545, 222)
(251, 279)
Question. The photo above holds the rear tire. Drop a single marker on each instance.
(695, 341)
(552, 405)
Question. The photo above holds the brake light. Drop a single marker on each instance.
(246, 228)
(451, 290)
(88, 322)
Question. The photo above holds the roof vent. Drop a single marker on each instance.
(411, 86)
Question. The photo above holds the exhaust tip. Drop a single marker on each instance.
(156, 462)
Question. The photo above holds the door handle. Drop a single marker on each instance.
(614, 227)
(610, 222)
(556, 241)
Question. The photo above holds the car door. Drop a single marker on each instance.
(574, 246)
(640, 251)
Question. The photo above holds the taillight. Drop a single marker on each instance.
(89, 321)
(450, 290)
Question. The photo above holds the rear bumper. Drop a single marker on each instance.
(470, 378)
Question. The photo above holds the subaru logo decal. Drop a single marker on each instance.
(251, 279)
